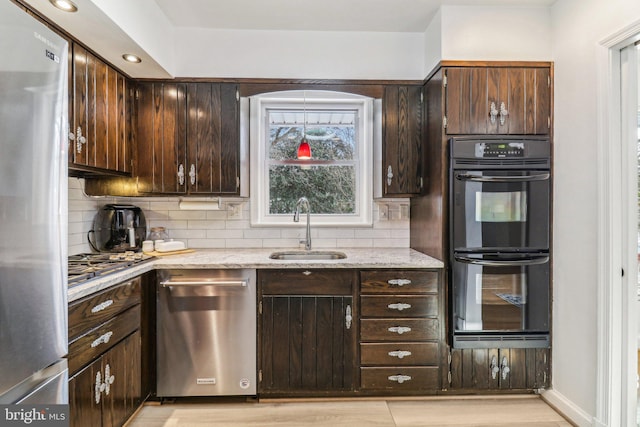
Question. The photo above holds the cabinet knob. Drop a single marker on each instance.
(399, 306)
(504, 366)
(99, 387)
(399, 378)
(494, 368)
(400, 354)
(192, 174)
(108, 379)
(399, 282)
(399, 329)
(80, 140)
(348, 317)
(503, 113)
(102, 306)
(389, 175)
(104, 338)
(493, 112)
(181, 174)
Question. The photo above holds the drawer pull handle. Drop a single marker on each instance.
(399, 378)
(399, 282)
(399, 329)
(399, 306)
(400, 354)
(101, 339)
(102, 306)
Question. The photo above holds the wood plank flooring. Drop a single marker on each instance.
(524, 411)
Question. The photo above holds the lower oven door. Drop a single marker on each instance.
(500, 300)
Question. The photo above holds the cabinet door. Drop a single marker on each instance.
(307, 344)
(161, 138)
(498, 100)
(402, 143)
(83, 409)
(213, 138)
(100, 115)
(491, 369)
(466, 109)
(122, 376)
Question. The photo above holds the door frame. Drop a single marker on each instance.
(616, 241)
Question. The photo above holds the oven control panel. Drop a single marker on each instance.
(499, 149)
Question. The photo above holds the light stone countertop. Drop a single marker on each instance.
(259, 259)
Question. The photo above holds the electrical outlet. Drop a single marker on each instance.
(234, 211)
(383, 212)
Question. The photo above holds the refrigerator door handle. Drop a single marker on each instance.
(531, 260)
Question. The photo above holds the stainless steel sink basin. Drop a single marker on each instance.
(308, 255)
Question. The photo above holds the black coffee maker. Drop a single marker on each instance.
(118, 228)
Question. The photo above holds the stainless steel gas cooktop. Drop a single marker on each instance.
(84, 267)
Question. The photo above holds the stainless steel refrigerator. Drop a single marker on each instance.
(33, 210)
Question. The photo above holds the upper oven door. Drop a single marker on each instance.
(500, 209)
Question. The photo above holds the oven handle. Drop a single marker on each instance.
(169, 283)
(535, 260)
(489, 178)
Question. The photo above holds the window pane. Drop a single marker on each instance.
(330, 189)
(331, 134)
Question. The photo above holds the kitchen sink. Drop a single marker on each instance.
(308, 255)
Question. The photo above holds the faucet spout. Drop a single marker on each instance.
(302, 201)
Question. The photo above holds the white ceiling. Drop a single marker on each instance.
(316, 15)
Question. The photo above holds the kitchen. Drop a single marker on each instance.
(563, 28)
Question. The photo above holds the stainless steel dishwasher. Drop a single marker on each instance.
(206, 332)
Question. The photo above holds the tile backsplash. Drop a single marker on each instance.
(230, 226)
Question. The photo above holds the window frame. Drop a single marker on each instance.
(258, 136)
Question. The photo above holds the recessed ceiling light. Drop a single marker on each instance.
(130, 57)
(66, 5)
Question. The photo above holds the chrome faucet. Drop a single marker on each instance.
(296, 218)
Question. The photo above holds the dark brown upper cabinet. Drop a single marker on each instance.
(100, 117)
(188, 138)
(402, 163)
(497, 100)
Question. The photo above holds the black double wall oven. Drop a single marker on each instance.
(500, 211)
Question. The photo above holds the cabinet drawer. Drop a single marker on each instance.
(399, 329)
(401, 353)
(394, 281)
(399, 378)
(96, 342)
(89, 312)
(399, 305)
(306, 282)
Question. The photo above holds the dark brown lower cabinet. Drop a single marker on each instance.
(307, 333)
(108, 391)
(499, 369)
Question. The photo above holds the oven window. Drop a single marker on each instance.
(502, 298)
(501, 206)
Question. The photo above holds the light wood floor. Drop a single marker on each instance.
(525, 411)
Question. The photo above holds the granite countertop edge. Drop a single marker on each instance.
(259, 259)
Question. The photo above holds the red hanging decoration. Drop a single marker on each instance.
(304, 150)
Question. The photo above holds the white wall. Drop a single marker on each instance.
(298, 54)
(225, 229)
(488, 33)
(577, 27)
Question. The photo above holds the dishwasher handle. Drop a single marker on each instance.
(200, 283)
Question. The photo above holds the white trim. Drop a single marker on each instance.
(566, 407)
(612, 308)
